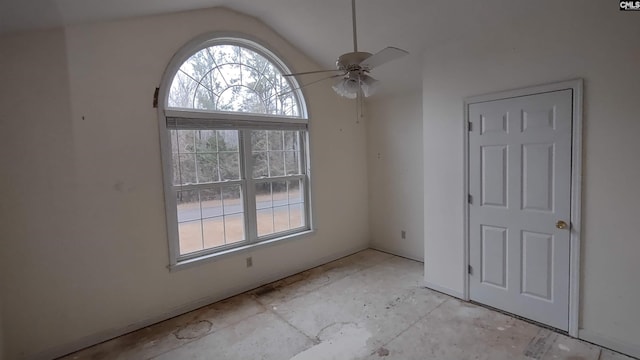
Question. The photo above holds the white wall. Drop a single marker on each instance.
(394, 124)
(84, 235)
(560, 40)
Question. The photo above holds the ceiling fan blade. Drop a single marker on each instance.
(311, 72)
(307, 84)
(383, 56)
(323, 79)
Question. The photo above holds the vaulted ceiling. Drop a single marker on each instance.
(321, 29)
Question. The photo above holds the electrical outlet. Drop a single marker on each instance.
(249, 262)
(403, 234)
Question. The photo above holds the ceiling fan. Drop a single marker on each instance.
(354, 67)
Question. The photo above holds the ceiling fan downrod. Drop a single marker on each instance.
(355, 32)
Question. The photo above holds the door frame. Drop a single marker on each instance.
(576, 185)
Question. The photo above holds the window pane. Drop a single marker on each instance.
(290, 106)
(223, 230)
(263, 195)
(205, 156)
(295, 195)
(229, 67)
(227, 140)
(173, 136)
(211, 203)
(204, 98)
(190, 234)
(296, 215)
(276, 163)
(183, 141)
(260, 165)
(265, 222)
(189, 223)
(187, 168)
(181, 92)
(275, 153)
(207, 167)
(234, 228)
(184, 167)
(175, 169)
(280, 206)
(209, 218)
(279, 190)
(250, 74)
(229, 166)
(232, 200)
(249, 102)
(291, 140)
(188, 205)
(222, 211)
(213, 231)
(275, 140)
(281, 218)
(259, 140)
(292, 163)
(206, 141)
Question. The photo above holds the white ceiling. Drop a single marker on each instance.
(322, 29)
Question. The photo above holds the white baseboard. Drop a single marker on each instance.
(613, 344)
(398, 253)
(444, 290)
(106, 335)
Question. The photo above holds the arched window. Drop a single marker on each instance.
(233, 77)
(234, 146)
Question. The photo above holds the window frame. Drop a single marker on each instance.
(244, 123)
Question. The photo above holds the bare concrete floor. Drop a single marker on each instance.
(370, 305)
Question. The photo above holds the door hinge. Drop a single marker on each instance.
(470, 198)
(470, 126)
(155, 97)
(470, 270)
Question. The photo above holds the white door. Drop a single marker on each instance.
(520, 194)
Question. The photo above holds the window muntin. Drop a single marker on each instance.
(279, 184)
(232, 78)
(275, 153)
(204, 156)
(280, 206)
(237, 170)
(210, 217)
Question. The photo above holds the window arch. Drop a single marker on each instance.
(234, 149)
(230, 76)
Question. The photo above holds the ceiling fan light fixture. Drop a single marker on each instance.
(351, 85)
(347, 87)
(369, 85)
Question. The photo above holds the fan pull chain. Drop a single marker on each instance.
(358, 110)
(361, 106)
(359, 101)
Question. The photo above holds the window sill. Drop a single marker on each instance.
(185, 264)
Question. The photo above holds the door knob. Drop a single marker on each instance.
(561, 224)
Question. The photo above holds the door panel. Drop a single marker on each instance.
(494, 176)
(520, 174)
(537, 177)
(537, 267)
(494, 256)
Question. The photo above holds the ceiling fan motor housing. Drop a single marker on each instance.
(351, 61)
